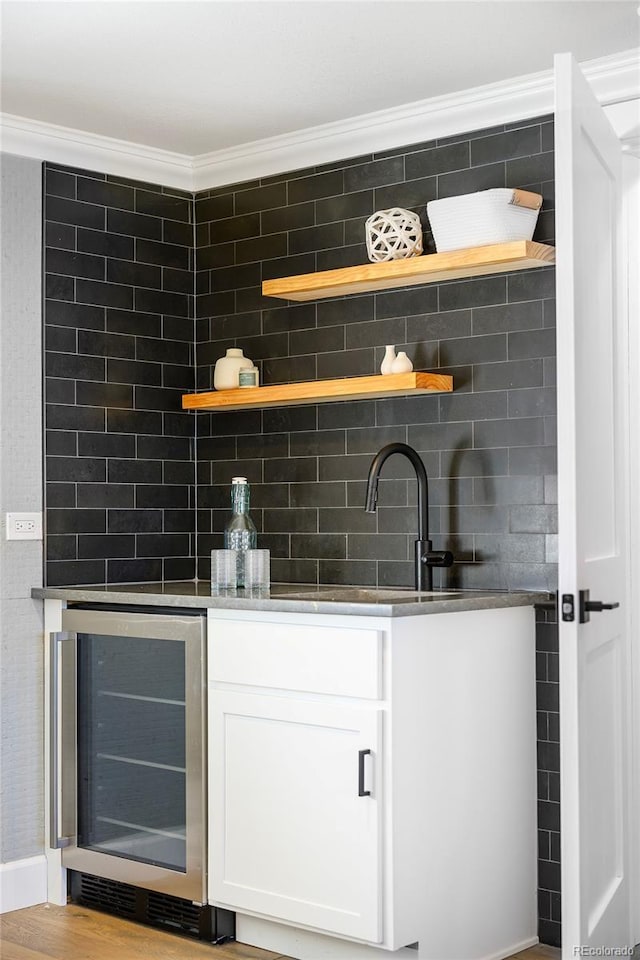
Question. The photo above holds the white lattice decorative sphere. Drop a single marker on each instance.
(393, 235)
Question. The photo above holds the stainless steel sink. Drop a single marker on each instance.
(363, 594)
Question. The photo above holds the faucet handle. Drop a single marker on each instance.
(438, 558)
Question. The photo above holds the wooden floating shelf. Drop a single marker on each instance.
(433, 268)
(319, 391)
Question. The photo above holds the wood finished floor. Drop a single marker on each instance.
(75, 933)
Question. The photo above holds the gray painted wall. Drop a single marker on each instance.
(21, 669)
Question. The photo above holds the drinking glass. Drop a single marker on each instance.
(257, 571)
(224, 567)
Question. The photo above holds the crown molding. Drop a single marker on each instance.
(625, 119)
(77, 148)
(615, 79)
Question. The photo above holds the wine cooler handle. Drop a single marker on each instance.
(55, 840)
(361, 790)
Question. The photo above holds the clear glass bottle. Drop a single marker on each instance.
(240, 532)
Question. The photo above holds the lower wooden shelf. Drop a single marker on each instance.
(319, 391)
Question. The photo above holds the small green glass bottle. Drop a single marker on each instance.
(240, 532)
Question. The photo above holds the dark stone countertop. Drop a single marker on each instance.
(294, 598)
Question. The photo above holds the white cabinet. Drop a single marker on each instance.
(295, 772)
(430, 837)
(293, 838)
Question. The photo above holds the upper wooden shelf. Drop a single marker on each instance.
(319, 391)
(433, 268)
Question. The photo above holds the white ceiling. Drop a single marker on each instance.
(194, 77)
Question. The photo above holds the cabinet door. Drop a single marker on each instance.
(293, 835)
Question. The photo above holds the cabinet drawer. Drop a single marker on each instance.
(336, 660)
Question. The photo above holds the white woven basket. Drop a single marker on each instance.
(478, 219)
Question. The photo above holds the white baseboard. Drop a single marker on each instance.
(514, 949)
(23, 883)
(308, 945)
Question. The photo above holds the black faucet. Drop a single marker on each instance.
(425, 557)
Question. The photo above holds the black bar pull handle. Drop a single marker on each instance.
(588, 606)
(361, 790)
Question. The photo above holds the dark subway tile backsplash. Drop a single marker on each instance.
(316, 186)
(74, 367)
(118, 254)
(164, 206)
(434, 160)
(76, 315)
(61, 339)
(59, 210)
(134, 224)
(105, 194)
(69, 263)
(60, 235)
(103, 294)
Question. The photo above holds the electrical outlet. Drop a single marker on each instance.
(24, 526)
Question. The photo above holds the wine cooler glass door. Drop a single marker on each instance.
(131, 749)
(138, 767)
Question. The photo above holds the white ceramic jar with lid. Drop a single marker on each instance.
(226, 372)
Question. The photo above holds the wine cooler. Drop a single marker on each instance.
(128, 785)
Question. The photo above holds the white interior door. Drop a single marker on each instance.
(593, 521)
(631, 173)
